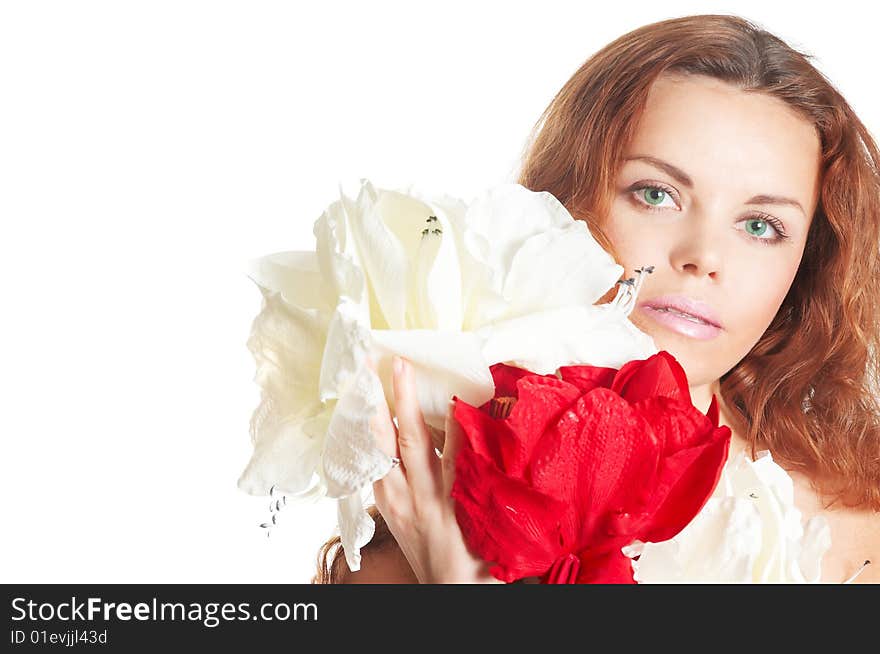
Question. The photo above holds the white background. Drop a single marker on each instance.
(149, 149)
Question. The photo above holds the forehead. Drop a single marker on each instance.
(719, 134)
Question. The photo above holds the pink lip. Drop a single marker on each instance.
(680, 324)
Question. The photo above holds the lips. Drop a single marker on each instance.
(686, 308)
(687, 316)
(686, 326)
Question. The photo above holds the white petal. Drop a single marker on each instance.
(508, 214)
(659, 563)
(773, 476)
(351, 457)
(544, 341)
(633, 549)
(286, 343)
(435, 291)
(452, 209)
(387, 227)
(337, 256)
(482, 284)
(297, 276)
(722, 545)
(286, 340)
(718, 546)
(436, 276)
(498, 224)
(348, 341)
(755, 529)
(771, 490)
(444, 363)
(580, 270)
(356, 528)
(414, 278)
(285, 455)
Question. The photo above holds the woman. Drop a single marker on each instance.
(712, 150)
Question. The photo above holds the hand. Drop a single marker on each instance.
(414, 497)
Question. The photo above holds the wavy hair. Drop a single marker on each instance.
(808, 389)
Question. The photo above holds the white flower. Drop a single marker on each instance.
(749, 531)
(453, 288)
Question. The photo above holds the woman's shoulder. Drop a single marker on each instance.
(855, 545)
(855, 534)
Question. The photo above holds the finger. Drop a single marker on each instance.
(413, 438)
(391, 493)
(393, 485)
(382, 423)
(451, 448)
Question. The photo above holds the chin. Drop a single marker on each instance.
(690, 353)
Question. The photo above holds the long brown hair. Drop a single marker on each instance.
(808, 389)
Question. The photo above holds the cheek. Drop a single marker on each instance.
(753, 301)
(635, 246)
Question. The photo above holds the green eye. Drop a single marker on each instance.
(653, 195)
(760, 227)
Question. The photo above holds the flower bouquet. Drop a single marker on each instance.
(585, 430)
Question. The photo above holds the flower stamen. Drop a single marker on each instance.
(628, 290)
(859, 571)
(500, 407)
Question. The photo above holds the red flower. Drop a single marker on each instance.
(582, 466)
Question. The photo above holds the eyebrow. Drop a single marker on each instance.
(684, 178)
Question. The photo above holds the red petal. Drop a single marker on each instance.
(660, 374)
(541, 401)
(693, 453)
(596, 459)
(506, 377)
(712, 413)
(503, 520)
(483, 433)
(586, 378)
(686, 480)
(678, 425)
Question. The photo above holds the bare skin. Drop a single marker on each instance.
(711, 234)
(385, 566)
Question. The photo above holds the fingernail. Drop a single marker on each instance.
(398, 365)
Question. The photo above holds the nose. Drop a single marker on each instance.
(698, 250)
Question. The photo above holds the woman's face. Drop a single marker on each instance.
(722, 213)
